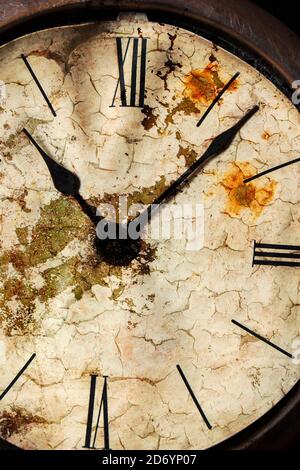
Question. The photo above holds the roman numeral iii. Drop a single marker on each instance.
(134, 50)
(276, 255)
(91, 429)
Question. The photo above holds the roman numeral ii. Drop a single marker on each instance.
(134, 49)
(276, 255)
(89, 439)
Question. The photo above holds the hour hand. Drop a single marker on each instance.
(64, 180)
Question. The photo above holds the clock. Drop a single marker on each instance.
(150, 247)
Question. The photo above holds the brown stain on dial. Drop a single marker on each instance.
(47, 54)
(245, 339)
(253, 196)
(172, 38)
(150, 119)
(168, 68)
(16, 421)
(20, 199)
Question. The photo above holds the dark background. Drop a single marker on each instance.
(285, 11)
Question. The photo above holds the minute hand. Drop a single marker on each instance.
(219, 144)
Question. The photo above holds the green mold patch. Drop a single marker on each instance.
(14, 287)
(57, 279)
(116, 293)
(78, 292)
(19, 320)
(145, 196)
(148, 195)
(189, 154)
(185, 106)
(61, 221)
(22, 234)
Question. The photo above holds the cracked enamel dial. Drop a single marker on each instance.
(126, 97)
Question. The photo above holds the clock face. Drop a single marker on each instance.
(180, 346)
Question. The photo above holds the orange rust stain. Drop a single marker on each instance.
(253, 196)
(203, 85)
(266, 135)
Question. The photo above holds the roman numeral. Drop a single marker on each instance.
(138, 72)
(21, 372)
(90, 416)
(276, 255)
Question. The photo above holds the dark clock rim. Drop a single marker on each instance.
(270, 46)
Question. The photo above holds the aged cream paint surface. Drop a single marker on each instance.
(82, 316)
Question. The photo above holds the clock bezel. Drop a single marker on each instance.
(239, 25)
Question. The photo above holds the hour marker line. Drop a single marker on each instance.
(265, 340)
(271, 254)
(281, 255)
(193, 397)
(276, 246)
(217, 98)
(274, 168)
(17, 376)
(38, 84)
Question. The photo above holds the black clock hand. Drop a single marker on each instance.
(65, 181)
(219, 144)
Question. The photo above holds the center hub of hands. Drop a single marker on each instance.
(117, 243)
